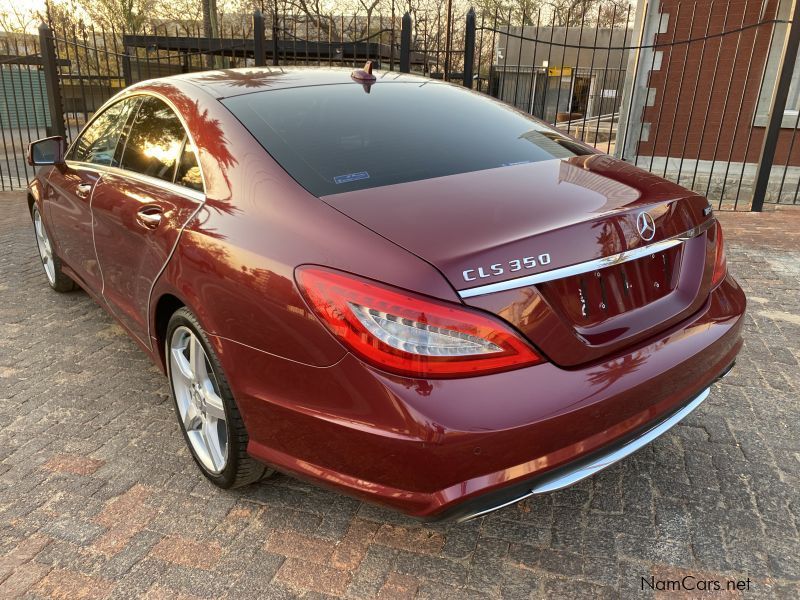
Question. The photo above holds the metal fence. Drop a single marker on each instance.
(24, 114)
(703, 92)
(568, 70)
(70, 70)
(695, 92)
(97, 64)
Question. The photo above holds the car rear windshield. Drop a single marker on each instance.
(340, 138)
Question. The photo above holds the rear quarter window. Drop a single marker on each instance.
(339, 138)
(154, 141)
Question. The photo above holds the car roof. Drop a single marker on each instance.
(235, 82)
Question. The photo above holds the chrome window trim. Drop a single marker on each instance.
(585, 267)
(124, 95)
(154, 181)
(103, 108)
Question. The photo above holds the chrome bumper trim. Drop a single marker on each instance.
(605, 461)
(585, 267)
(565, 479)
(486, 511)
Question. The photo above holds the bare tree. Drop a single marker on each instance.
(16, 20)
(63, 16)
(595, 13)
(210, 27)
(183, 15)
(127, 15)
(210, 18)
(518, 12)
(369, 7)
(560, 13)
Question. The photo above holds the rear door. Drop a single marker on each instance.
(140, 209)
(71, 187)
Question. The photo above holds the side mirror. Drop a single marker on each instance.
(47, 151)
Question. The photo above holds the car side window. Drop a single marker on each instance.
(98, 142)
(188, 172)
(154, 141)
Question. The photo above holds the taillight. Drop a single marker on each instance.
(720, 263)
(409, 334)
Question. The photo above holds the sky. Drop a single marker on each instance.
(23, 7)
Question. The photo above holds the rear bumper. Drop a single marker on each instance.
(454, 448)
(576, 471)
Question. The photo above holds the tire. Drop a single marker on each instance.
(50, 261)
(202, 396)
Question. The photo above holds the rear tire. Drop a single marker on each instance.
(50, 261)
(207, 413)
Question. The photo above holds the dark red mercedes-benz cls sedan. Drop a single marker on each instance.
(397, 287)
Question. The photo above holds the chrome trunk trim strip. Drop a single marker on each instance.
(585, 267)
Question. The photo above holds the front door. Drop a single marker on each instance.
(140, 210)
(71, 188)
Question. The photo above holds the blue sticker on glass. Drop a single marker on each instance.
(351, 177)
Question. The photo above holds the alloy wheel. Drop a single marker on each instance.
(45, 248)
(201, 408)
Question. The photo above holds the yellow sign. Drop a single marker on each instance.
(559, 72)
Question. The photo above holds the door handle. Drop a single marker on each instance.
(150, 216)
(83, 189)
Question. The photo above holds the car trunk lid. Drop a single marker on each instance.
(554, 247)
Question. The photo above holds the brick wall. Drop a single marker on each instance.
(704, 95)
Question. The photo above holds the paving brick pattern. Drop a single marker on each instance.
(99, 497)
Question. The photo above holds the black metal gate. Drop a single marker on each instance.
(24, 110)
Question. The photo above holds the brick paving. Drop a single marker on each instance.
(99, 497)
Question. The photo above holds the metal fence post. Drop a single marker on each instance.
(275, 61)
(791, 44)
(405, 44)
(469, 48)
(635, 88)
(448, 40)
(127, 68)
(258, 39)
(49, 61)
(392, 38)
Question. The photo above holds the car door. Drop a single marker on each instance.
(70, 190)
(140, 209)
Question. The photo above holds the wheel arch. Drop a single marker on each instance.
(165, 307)
(34, 193)
(170, 291)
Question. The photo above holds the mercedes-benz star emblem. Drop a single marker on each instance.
(645, 226)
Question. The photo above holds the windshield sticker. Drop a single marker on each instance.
(351, 177)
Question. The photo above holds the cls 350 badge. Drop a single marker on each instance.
(518, 264)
